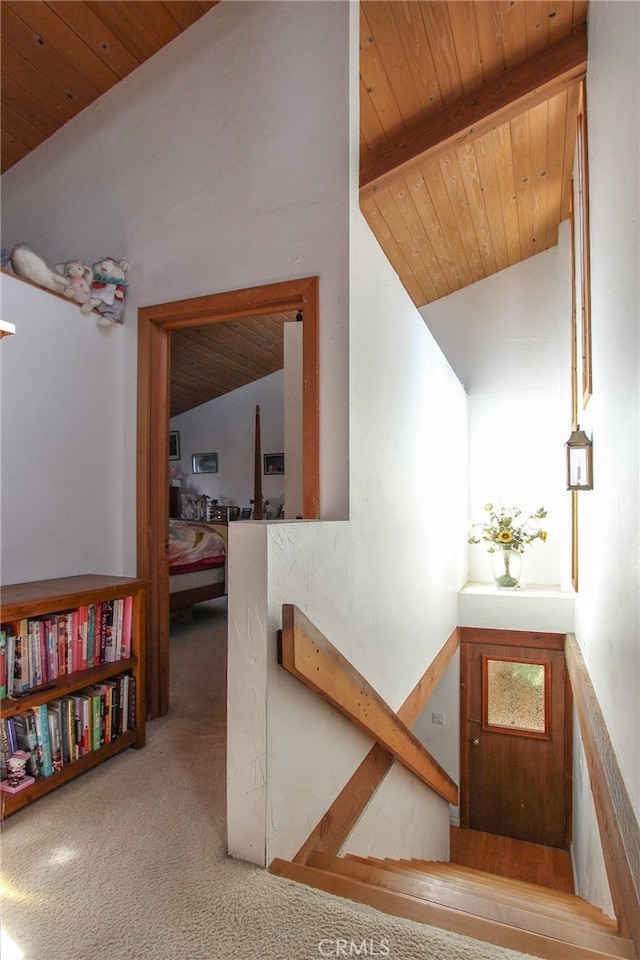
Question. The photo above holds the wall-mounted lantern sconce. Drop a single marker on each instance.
(579, 461)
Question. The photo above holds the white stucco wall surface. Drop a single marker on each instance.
(382, 587)
(608, 602)
(61, 409)
(507, 338)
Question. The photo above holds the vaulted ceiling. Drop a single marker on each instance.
(467, 125)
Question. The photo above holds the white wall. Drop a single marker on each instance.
(205, 170)
(608, 602)
(507, 338)
(382, 587)
(61, 402)
(226, 426)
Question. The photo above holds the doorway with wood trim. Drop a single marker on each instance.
(155, 324)
(515, 736)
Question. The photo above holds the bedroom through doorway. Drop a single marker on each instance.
(155, 327)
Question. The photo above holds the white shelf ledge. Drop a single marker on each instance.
(7, 329)
(541, 607)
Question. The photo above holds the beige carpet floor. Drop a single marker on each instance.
(128, 862)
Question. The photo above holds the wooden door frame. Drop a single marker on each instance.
(515, 639)
(155, 324)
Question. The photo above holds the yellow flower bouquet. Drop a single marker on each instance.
(505, 533)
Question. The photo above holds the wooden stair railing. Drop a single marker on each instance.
(306, 654)
(617, 823)
(511, 913)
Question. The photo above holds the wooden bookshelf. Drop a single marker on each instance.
(42, 598)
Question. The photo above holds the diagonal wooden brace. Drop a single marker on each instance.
(308, 655)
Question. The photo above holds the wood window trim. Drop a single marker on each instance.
(155, 324)
(584, 252)
(489, 727)
(581, 339)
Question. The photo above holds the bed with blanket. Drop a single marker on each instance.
(197, 562)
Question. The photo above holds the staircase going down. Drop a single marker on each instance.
(510, 913)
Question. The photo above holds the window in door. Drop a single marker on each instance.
(516, 696)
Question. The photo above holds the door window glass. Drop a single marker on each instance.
(515, 696)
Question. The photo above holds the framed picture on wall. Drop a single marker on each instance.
(204, 462)
(174, 445)
(273, 463)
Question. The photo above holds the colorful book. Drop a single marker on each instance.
(91, 633)
(4, 749)
(51, 642)
(127, 626)
(27, 740)
(44, 738)
(10, 658)
(63, 643)
(3, 663)
(54, 717)
(108, 652)
(97, 644)
(21, 659)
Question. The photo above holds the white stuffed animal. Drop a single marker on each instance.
(108, 289)
(78, 277)
(29, 264)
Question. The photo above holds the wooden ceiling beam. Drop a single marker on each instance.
(526, 85)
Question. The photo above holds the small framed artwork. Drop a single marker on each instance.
(204, 462)
(245, 513)
(274, 463)
(174, 445)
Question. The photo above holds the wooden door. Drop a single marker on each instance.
(515, 728)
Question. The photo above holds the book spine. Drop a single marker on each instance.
(55, 734)
(62, 644)
(65, 742)
(50, 629)
(91, 633)
(97, 708)
(97, 652)
(42, 651)
(11, 650)
(21, 659)
(44, 738)
(4, 749)
(37, 735)
(107, 653)
(127, 622)
(76, 641)
(83, 636)
(3, 663)
(27, 740)
(11, 735)
(132, 703)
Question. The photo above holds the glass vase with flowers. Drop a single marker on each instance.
(507, 536)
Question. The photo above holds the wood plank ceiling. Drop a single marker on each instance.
(467, 122)
(467, 135)
(58, 57)
(209, 361)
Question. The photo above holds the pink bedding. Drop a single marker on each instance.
(191, 543)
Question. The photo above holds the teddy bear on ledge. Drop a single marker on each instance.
(101, 288)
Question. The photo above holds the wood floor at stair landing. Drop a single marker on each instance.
(517, 859)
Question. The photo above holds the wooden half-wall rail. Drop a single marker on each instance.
(308, 655)
(617, 823)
